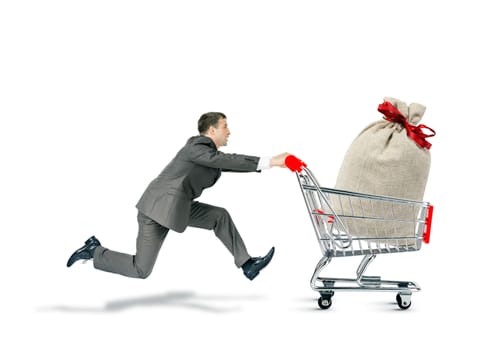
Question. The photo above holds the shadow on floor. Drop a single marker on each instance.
(180, 299)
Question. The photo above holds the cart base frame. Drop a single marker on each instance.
(327, 285)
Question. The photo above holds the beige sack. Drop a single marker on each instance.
(384, 160)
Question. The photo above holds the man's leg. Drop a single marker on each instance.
(218, 219)
(149, 240)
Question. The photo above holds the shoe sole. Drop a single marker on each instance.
(251, 277)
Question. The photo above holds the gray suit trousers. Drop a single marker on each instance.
(151, 236)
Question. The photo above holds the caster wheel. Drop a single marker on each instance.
(325, 301)
(403, 301)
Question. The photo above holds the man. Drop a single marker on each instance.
(169, 203)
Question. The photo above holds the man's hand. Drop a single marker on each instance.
(279, 160)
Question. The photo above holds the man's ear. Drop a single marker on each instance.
(211, 130)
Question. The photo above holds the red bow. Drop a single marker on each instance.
(415, 132)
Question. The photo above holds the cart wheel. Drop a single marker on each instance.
(403, 301)
(325, 301)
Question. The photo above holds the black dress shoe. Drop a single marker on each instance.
(84, 253)
(254, 265)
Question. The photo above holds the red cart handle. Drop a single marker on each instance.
(294, 163)
(427, 229)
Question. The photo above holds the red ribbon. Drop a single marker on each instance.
(415, 132)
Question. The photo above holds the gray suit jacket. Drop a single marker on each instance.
(198, 165)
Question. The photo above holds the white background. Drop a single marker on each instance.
(97, 96)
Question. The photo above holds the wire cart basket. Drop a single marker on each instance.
(354, 224)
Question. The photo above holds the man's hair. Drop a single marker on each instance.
(209, 119)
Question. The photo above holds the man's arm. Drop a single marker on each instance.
(269, 162)
(207, 156)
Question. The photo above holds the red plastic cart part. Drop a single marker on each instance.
(294, 163)
(427, 229)
(330, 219)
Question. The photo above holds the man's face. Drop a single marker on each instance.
(220, 135)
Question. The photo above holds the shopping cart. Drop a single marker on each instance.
(354, 224)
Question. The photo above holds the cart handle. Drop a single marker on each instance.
(427, 229)
(294, 163)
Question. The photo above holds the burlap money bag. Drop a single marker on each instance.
(390, 157)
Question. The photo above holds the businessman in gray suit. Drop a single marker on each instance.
(169, 203)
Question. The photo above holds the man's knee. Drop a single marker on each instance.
(222, 219)
(143, 274)
(144, 271)
(221, 215)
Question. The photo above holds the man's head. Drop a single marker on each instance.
(214, 125)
